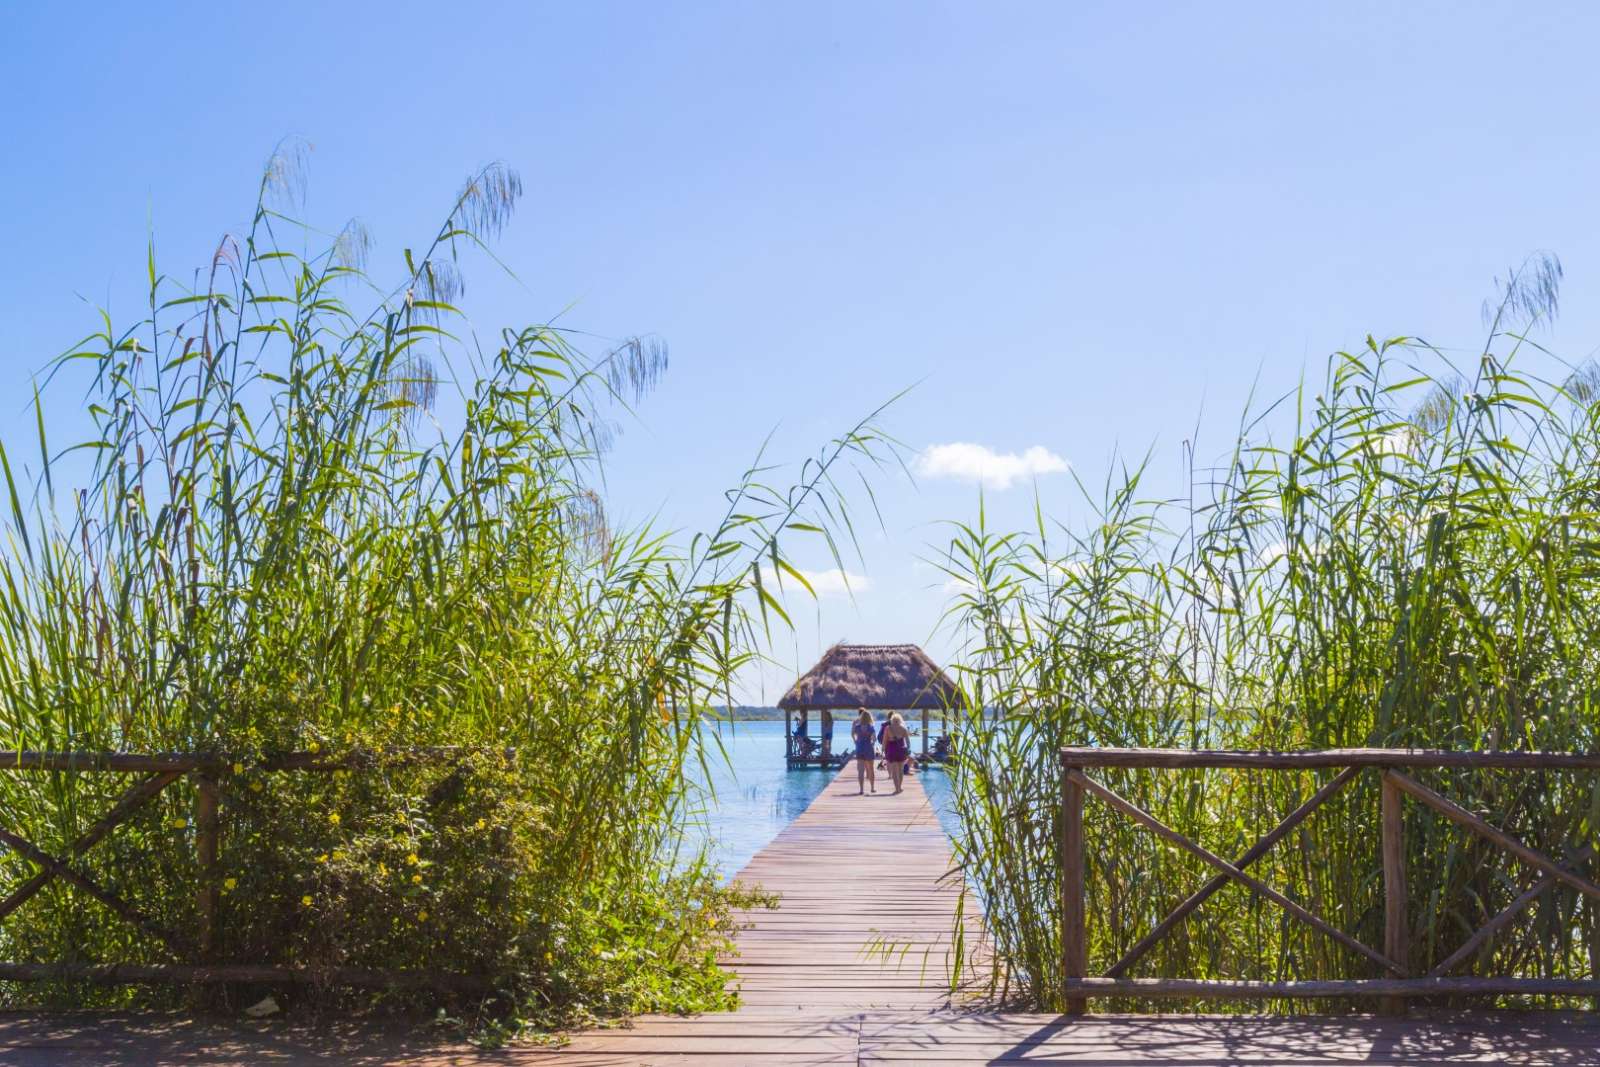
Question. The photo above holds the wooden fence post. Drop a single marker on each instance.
(1396, 940)
(1074, 947)
(1594, 947)
(206, 835)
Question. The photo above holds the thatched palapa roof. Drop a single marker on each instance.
(883, 677)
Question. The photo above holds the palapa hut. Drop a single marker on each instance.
(875, 677)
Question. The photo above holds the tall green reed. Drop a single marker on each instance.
(1414, 567)
(324, 513)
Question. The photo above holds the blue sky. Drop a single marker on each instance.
(1080, 229)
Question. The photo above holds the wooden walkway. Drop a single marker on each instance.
(817, 991)
(866, 912)
(901, 1038)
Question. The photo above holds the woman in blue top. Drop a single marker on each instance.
(861, 735)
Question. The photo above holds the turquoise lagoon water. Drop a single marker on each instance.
(752, 796)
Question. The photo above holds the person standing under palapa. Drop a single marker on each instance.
(861, 736)
(896, 748)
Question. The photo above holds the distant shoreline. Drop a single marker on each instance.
(747, 713)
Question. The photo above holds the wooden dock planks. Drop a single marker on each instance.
(947, 1039)
(763, 1039)
(867, 906)
(865, 923)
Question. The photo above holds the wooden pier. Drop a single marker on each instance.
(867, 906)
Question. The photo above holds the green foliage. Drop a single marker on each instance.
(307, 525)
(1417, 567)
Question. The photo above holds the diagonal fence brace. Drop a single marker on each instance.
(1456, 813)
(1256, 851)
(122, 908)
(1161, 829)
(1505, 915)
(126, 805)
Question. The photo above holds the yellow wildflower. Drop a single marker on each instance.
(255, 787)
(238, 768)
(422, 916)
(338, 854)
(230, 884)
(383, 869)
(179, 824)
(306, 900)
(411, 860)
(322, 858)
(313, 748)
(415, 878)
(333, 817)
(482, 824)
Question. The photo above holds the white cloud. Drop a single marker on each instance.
(955, 584)
(979, 463)
(831, 582)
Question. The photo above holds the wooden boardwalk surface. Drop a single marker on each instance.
(816, 991)
(899, 1038)
(866, 911)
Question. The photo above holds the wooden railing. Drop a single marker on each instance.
(1399, 979)
(193, 954)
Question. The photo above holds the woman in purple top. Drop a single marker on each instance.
(896, 748)
(861, 736)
